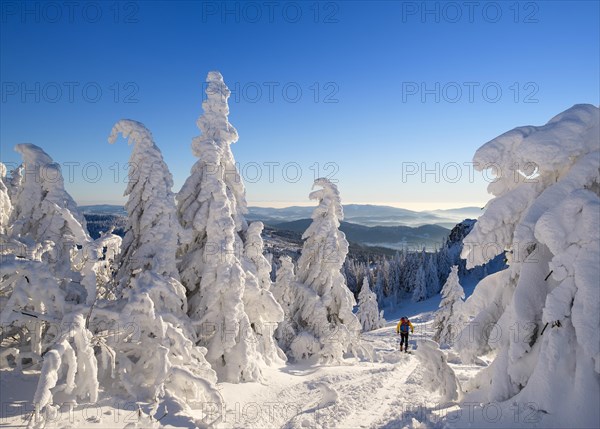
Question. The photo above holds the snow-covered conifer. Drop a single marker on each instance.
(153, 230)
(155, 299)
(43, 210)
(431, 275)
(284, 293)
(31, 296)
(368, 311)
(443, 263)
(211, 206)
(5, 203)
(264, 312)
(44, 225)
(419, 285)
(378, 289)
(449, 319)
(319, 268)
(545, 216)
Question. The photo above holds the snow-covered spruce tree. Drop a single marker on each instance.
(319, 268)
(5, 203)
(349, 271)
(44, 211)
(546, 304)
(152, 216)
(368, 310)
(37, 284)
(264, 313)
(395, 279)
(211, 206)
(449, 319)
(431, 274)
(419, 285)
(153, 298)
(285, 292)
(304, 317)
(378, 288)
(443, 263)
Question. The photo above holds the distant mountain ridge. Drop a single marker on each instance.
(112, 209)
(395, 237)
(370, 215)
(362, 214)
(370, 225)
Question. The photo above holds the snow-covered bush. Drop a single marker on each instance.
(72, 357)
(368, 310)
(319, 270)
(544, 309)
(31, 297)
(438, 376)
(40, 227)
(449, 319)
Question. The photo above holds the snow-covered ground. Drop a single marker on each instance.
(387, 392)
(383, 393)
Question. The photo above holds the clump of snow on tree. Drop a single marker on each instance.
(96, 261)
(438, 376)
(544, 310)
(5, 203)
(368, 310)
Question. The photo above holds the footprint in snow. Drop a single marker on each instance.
(329, 396)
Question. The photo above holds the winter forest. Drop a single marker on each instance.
(184, 319)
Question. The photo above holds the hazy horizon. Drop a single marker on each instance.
(284, 204)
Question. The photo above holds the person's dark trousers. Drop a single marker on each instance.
(404, 340)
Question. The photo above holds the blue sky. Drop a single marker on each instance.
(360, 91)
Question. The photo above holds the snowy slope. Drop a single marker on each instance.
(386, 393)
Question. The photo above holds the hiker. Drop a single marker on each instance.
(403, 326)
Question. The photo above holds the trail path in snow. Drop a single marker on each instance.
(359, 394)
(378, 397)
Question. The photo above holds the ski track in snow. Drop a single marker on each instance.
(367, 394)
